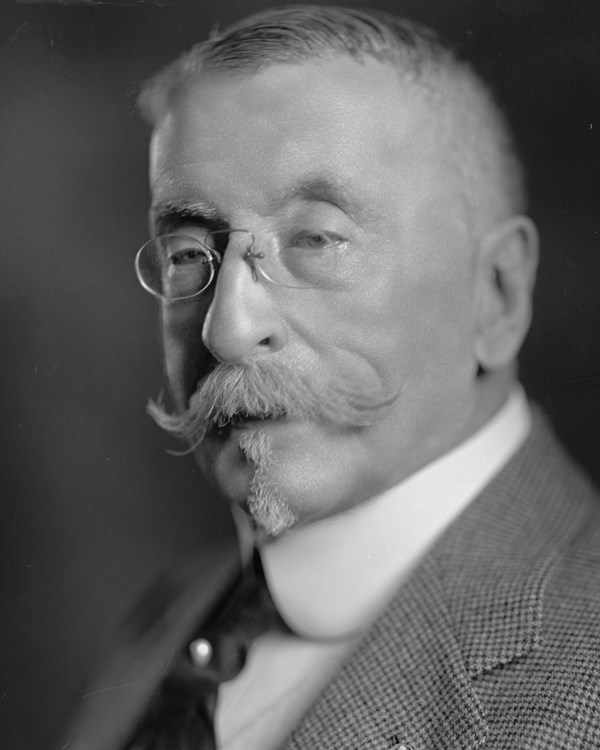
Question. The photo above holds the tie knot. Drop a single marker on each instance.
(219, 651)
(219, 657)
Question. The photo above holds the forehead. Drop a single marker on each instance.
(356, 123)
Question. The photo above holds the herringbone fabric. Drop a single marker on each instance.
(494, 642)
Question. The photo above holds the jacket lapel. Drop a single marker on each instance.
(405, 685)
(472, 605)
(495, 561)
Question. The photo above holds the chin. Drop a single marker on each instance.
(239, 464)
(284, 473)
(269, 508)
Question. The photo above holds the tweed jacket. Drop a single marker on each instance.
(493, 642)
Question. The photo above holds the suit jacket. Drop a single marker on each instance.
(493, 642)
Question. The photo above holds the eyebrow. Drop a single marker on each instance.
(168, 214)
(331, 190)
(316, 189)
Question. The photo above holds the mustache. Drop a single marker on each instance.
(268, 390)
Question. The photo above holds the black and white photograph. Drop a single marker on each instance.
(300, 374)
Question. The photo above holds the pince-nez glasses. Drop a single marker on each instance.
(178, 267)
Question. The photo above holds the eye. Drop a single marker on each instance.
(310, 258)
(188, 256)
(188, 267)
(317, 240)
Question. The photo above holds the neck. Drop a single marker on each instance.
(492, 389)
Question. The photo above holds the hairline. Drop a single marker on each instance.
(427, 67)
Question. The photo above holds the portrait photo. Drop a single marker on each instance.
(300, 337)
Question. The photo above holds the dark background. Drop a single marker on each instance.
(92, 505)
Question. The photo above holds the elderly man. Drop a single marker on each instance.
(345, 272)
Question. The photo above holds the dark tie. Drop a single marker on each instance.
(163, 698)
(182, 714)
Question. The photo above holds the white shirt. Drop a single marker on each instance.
(332, 578)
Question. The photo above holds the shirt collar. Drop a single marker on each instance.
(331, 578)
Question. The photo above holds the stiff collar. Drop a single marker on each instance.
(330, 579)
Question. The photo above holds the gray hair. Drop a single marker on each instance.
(476, 138)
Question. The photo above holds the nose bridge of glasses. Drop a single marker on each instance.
(242, 239)
(234, 239)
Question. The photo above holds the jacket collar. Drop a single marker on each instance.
(473, 604)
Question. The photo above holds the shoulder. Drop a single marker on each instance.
(571, 613)
(553, 691)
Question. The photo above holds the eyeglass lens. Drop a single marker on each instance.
(175, 266)
(178, 266)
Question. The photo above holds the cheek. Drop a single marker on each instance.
(433, 326)
(405, 320)
(186, 358)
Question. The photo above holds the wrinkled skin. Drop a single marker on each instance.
(344, 148)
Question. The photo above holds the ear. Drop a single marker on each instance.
(504, 280)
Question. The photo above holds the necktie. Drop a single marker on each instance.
(150, 693)
(182, 713)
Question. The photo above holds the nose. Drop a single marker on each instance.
(242, 321)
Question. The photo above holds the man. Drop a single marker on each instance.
(345, 274)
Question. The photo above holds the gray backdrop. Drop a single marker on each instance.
(92, 505)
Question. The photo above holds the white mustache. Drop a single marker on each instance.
(269, 390)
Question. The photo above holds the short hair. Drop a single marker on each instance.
(479, 143)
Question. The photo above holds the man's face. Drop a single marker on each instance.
(344, 149)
